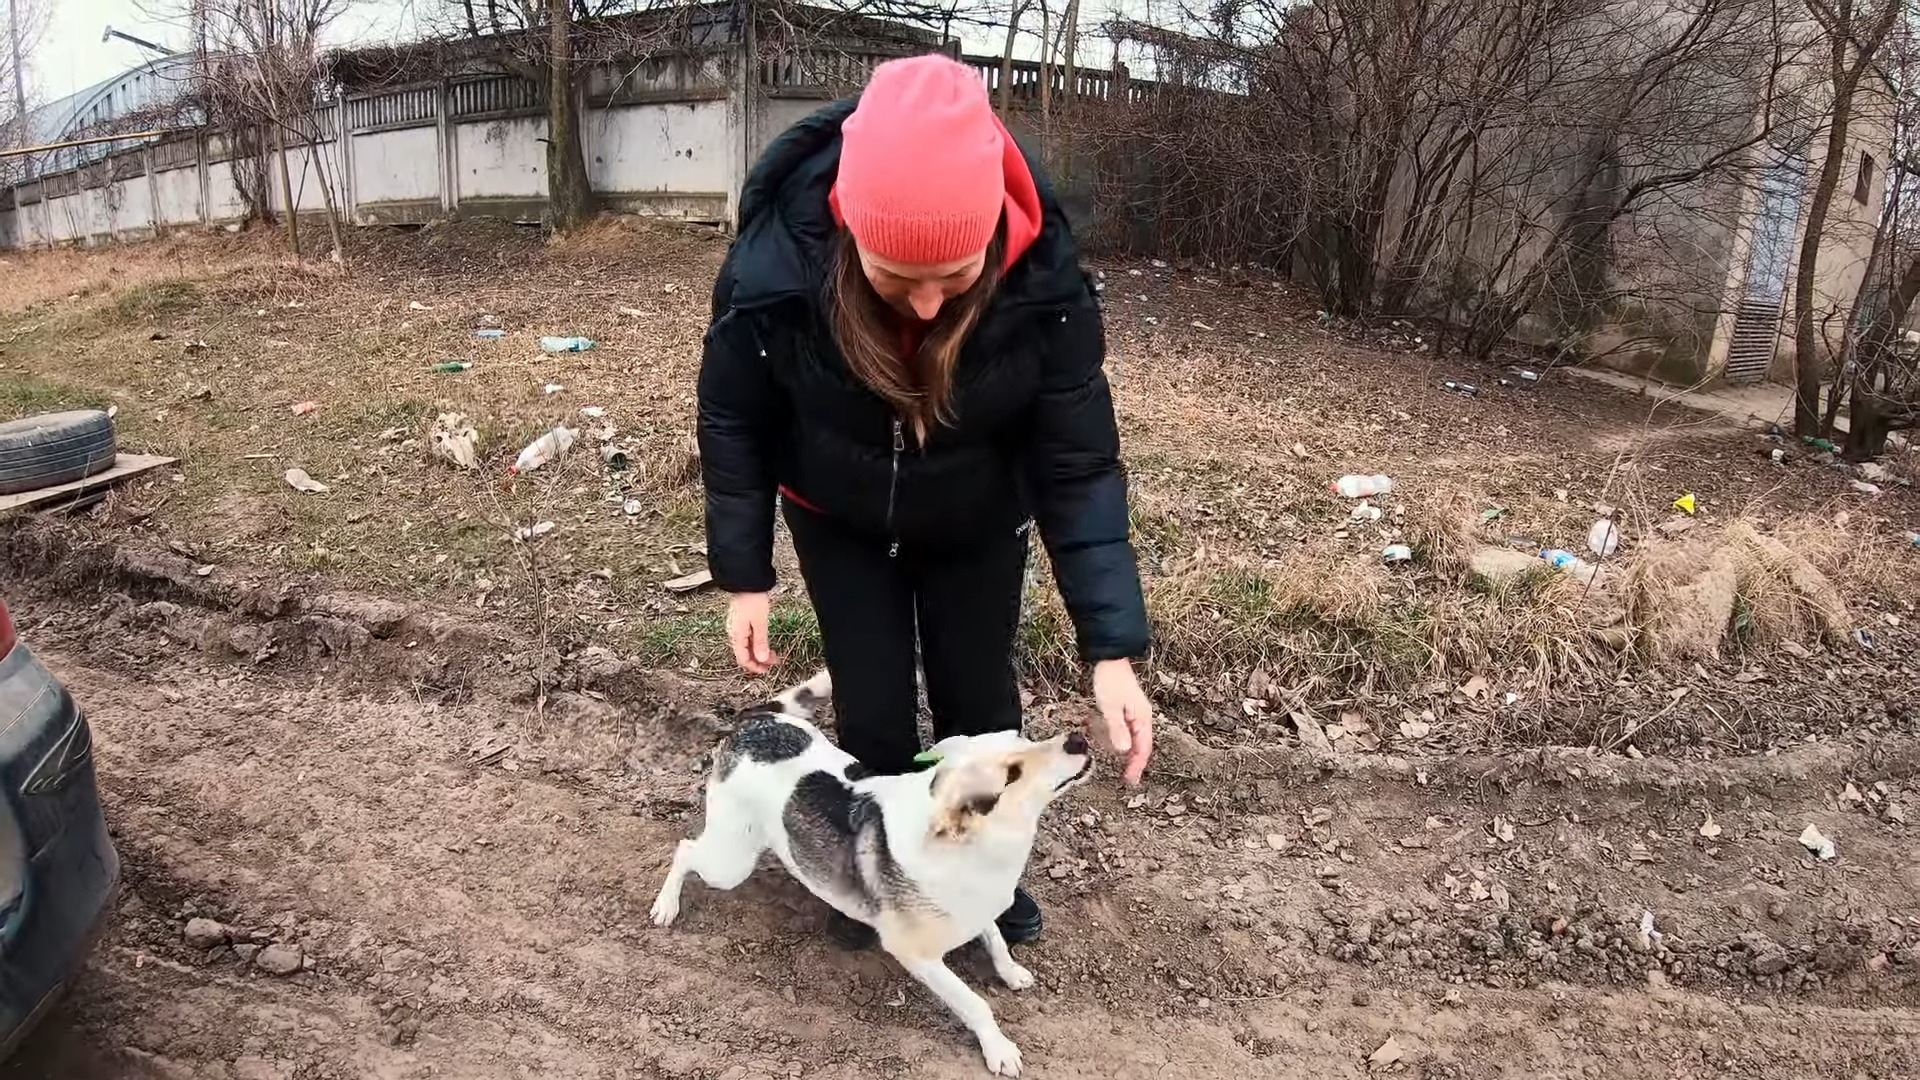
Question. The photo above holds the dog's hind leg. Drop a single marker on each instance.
(724, 855)
(1004, 965)
(1003, 1058)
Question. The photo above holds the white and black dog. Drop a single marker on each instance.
(927, 859)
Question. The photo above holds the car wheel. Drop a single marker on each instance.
(55, 448)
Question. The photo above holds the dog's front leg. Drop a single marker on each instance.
(1003, 1058)
(1010, 972)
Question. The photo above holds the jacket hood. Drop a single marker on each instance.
(788, 225)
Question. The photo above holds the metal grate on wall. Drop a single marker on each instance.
(478, 97)
(395, 108)
(1756, 334)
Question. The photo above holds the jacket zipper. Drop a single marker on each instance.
(893, 485)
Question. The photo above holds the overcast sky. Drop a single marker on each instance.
(73, 56)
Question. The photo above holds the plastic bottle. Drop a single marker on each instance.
(1461, 388)
(544, 449)
(566, 344)
(451, 367)
(489, 333)
(1561, 558)
(1363, 487)
(1568, 563)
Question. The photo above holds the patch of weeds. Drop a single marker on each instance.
(1156, 536)
(794, 631)
(155, 299)
(1402, 642)
(1741, 626)
(224, 418)
(684, 514)
(672, 640)
(1046, 646)
(380, 414)
(25, 395)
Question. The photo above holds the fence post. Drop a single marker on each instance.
(743, 115)
(202, 182)
(153, 190)
(443, 137)
(343, 162)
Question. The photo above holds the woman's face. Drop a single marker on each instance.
(920, 290)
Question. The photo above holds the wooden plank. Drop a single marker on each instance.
(124, 466)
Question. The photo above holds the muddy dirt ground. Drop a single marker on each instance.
(469, 887)
(366, 741)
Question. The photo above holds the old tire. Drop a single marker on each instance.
(55, 448)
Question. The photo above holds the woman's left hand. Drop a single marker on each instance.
(1127, 712)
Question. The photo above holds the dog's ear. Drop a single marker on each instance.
(963, 797)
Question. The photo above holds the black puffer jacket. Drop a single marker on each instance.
(1033, 431)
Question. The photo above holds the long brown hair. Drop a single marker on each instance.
(870, 336)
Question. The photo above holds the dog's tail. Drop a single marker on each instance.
(805, 700)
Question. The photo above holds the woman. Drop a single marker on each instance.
(905, 348)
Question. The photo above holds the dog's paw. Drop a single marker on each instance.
(665, 909)
(1015, 976)
(1003, 1058)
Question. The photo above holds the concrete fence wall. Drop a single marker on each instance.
(411, 155)
(673, 136)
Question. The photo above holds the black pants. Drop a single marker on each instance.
(965, 604)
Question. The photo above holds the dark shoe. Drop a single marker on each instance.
(851, 934)
(1020, 923)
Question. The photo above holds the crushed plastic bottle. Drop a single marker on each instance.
(1570, 564)
(1394, 554)
(566, 344)
(1466, 388)
(489, 333)
(1355, 486)
(544, 449)
(451, 367)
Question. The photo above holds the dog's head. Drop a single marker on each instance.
(986, 783)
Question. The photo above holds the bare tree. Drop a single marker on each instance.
(1018, 10)
(1857, 33)
(26, 24)
(1877, 374)
(1539, 167)
(260, 71)
(569, 194)
(556, 45)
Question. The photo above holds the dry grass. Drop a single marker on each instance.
(40, 277)
(1250, 564)
(1740, 586)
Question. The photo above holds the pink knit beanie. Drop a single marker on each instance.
(922, 174)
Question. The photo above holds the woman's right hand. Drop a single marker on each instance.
(747, 617)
